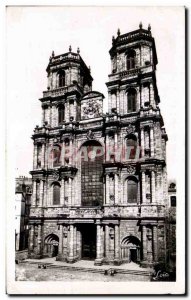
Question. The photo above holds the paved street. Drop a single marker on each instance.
(29, 271)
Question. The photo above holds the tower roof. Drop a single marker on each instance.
(58, 60)
(131, 37)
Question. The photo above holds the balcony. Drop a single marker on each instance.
(55, 92)
(152, 211)
(62, 90)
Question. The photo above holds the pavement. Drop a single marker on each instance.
(88, 264)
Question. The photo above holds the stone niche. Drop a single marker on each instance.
(92, 105)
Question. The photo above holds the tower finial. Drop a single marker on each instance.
(53, 53)
(113, 40)
(149, 27)
(118, 32)
(70, 48)
(140, 25)
(78, 50)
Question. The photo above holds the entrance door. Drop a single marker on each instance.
(88, 241)
(133, 255)
(55, 250)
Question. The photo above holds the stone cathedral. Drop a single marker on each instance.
(100, 179)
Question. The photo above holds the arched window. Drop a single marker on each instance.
(56, 193)
(132, 189)
(91, 174)
(131, 100)
(61, 112)
(131, 56)
(56, 155)
(131, 146)
(61, 81)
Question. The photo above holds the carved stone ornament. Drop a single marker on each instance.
(55, 175)
(91, 109)
(131, 169)
(90, 135)
(130, 129)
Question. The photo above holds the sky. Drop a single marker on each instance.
(34, 32)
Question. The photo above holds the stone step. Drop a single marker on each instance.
(92, 270)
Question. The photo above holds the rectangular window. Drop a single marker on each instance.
(173, 201)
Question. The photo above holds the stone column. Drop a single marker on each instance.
(142, 143)
(117, 246)
(71, 244)
(48, 115)
(116, 146)
(109, 102)
(143, 188)
(141, 98)
(152, 141)
(107, 150)
(144, 242)
(99, 257)
(41, 193)
(116, 188)
(75, 110)
(39, 242)
(62, 192)
(149, 248)
(31, 239)
(138, 104)
(75, 241)
(51, 118)
(107, 200)
(153, 186)
(35, 157)
(71, 151)
(69, 191)
(155, 240)
(60, 250)
(43, 156)
(34, 193)
(107, 241)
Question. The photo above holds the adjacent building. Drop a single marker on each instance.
(23, 192)
(171, 226)
(100, 187)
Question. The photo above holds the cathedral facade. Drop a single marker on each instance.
(99, 180)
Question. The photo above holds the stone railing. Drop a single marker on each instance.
(36, 212)
(56, 212)
(66, 56)
(149, 112)
(55, 92)
(61, 91)
(142, 211)
(121, 211)
(83, 212)
(135, 34)
(151, 210)
(129, 73)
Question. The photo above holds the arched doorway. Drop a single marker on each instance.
(91, 174)
(130, 249)
(51, 245)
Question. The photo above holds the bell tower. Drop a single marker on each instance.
(68, 79)
(132, 82)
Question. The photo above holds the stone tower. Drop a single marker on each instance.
(99, 180)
